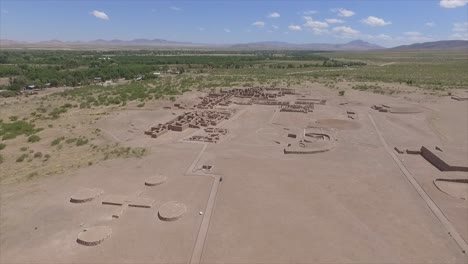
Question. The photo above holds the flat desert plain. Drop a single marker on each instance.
(340, 182)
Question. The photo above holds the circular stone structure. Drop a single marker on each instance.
(171, 211)
(155, 180)
(93, 236)
(338, 124)
(85, 195)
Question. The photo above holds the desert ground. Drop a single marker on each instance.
(340, 182)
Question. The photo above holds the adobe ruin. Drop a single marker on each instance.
(196, 119)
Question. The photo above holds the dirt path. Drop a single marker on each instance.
(434, 208)
(332, 70)
(386, 64)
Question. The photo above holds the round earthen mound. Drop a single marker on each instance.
(338, 124)
(156, 180)
(85, 195)
(93, 236)
(455, 188)
(171, 211)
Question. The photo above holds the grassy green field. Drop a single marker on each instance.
(204, 69)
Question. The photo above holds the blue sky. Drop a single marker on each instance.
(387, 23)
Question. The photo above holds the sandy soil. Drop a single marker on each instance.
(350, 204)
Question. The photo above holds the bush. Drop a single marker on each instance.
(14, 129)
(22, 157)
(70, 140)
(34, 138)
(1, 159)
(24, 148)
(2, 146)
(341, 93)
(32, 175)
(81, 141)
(141, 105)
(38, 155)
(54, 114)
(56, 141)
(13, 118)
(7, 93)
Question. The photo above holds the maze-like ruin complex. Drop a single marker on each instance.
(196, 119)
(210, 135)
(208, 115)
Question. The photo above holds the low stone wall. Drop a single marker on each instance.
(438, 162)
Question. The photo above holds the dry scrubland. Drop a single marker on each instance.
(289, 208)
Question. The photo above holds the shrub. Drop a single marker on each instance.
(2, 146)
(81, 141)
(14, 129)
(7, 94)
(22, 157)
(13, 118)
(32, 175)
(55, 113)
(41, 110)
(34, 138)
(24, 148)
(38, 155)
(341, 93)
(56, 141)
(70, 140)
(141, 105)
(1, 159)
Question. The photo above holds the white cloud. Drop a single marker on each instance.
(100, 15)
(460, 27)
(346, 32)
(227, 30)
(259, 24)
(430, 24)
(318, 27)
(274, 15)
(295, 28)
(382, 37)
(414, 36)
(175, 8)
(200, 28)
(459, 36)
(460, 31)
(376, 21)
(343, 12)
(310, 12)
(334, 21)
(452, 3)
(274, 26)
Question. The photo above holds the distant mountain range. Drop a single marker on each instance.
(436, 45)
(355, 45)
